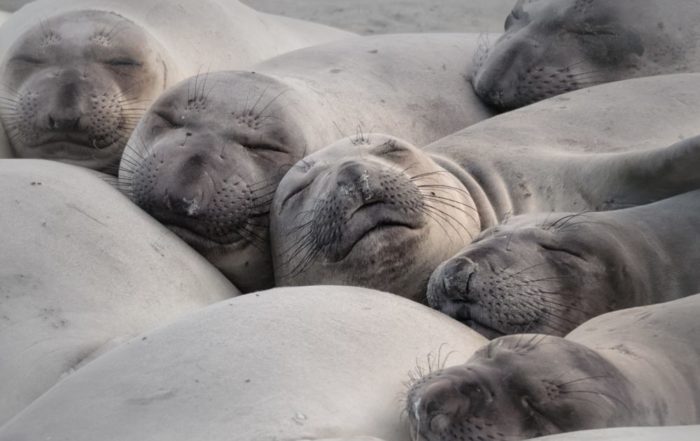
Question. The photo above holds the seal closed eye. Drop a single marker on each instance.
(555, 46)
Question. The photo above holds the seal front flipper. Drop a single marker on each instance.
(621, 180)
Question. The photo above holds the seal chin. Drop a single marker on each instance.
(375, 223)
(202, 243)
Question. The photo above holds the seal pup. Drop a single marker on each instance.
(381, 213)
(549, 273)
(634, 367)
(82, 268)
(207, 156)
(332, 366)
(78, 74)
(554, 46)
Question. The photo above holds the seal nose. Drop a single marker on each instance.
(65, 120)
(355, 178)
(445, 401)
(455, 280)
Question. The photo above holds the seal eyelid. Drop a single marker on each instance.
(26, 59)
(123, 62)
(560, 250)
(170, 121)
(265, 147)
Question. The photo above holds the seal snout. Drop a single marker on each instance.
(448, 400)
(450, 287)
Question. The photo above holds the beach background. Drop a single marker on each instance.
(383, 16)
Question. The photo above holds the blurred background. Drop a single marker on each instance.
(383, 16)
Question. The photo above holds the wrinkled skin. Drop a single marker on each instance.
(555, 46)
(74, 88)
(512, 389)
(360, 210)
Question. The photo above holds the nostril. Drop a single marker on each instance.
(52, 123)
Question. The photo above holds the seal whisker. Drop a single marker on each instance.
(449, 217)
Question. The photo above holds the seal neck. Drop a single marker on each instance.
(487, 212)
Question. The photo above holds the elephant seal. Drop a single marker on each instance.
(554, 46)
(207, 156)
(381, 213)
(332, 366)
(676, 433)
(584, 137)
(81, 269)
(550, 273)
(77, 79)
(634, 367)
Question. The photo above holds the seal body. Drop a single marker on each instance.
(550, 273)
(76, 80)
(678, 433)
(440, 197)
(208, 155)
(634, 367)
(550, 47)
(333, 366)
(82, 269)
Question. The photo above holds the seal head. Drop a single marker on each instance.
(520, 387)
(206, 163)
(371, 211)
(546, 277)
(554, 46)
(75, 87)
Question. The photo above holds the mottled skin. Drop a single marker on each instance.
(555, 46)
(209, 154)
(74, 87)
(380, 213)
(550, 273)
(635, 367)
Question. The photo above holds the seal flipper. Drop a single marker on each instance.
(643, 176)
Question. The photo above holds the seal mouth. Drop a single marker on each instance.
(199, 242)
(369, 220)
(465, 314)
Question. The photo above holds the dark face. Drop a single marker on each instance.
(545, 278)
(374, 212)
(206, 160)
(76, 85)
(556, 46)
(520, 387)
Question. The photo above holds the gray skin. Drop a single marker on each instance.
(550, 273)
(380, 213)
(675, 433)
(555, 46)
(208, 155)
(634, 367)
(74, 85)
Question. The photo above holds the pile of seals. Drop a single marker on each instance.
(537, 186)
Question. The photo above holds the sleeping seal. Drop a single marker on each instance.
(550, 273)
(634, 367)
(82, 268)
(599, 156)
(332, 366)
(78, 74)
(555, 46)
(381, 213)
(208, 155)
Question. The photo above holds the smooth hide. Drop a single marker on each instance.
(82, 269)
(290, 363)
(675, 433)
